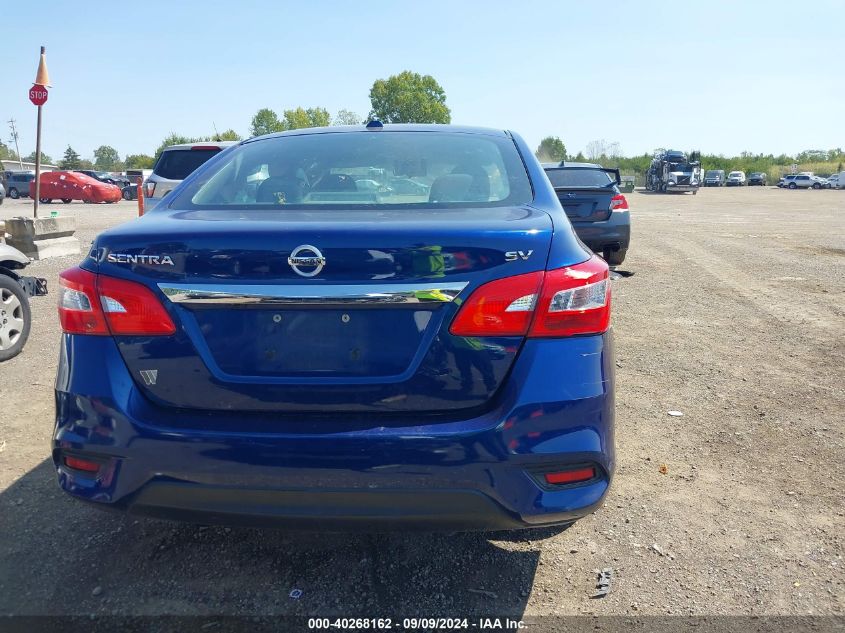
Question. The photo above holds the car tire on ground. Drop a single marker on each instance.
(13, 194)
(615, 258)
(45, 200)
(816, 185)
(792, 185)
(67, 200)
(15, 318)
(127, 195)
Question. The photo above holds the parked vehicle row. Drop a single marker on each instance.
(806, 180)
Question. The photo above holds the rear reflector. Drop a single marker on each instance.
(563, 302)
(77, 463)
(101, 305)
(570, 476)
(149, 189)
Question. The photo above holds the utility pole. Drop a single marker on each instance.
(15, 141)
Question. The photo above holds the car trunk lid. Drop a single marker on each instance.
(362, 327)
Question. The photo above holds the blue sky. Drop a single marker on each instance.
(722, 77)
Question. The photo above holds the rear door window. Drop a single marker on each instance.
(178, 164)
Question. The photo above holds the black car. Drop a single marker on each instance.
(129, 192)
(104, 176)
(590, 196)
(757, 178)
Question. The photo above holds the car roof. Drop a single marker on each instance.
(387, 127)
(220, 144)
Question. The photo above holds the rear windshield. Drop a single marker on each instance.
(178, 164)
(364, 170)
(579, 177)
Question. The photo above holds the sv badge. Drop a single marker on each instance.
(512, 256)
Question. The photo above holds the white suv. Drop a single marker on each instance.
(801, 181)
(736, 179)
(175, 164)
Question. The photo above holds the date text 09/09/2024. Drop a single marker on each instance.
(413, 624)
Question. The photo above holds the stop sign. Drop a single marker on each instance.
(38, 95)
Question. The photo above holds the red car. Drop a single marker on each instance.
(71, 185)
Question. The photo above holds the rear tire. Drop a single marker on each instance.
(67, 200)
(615, 258)
(127, 195)
(45, 200)
(13, 194)
(792, 185)
(816, 185)
(15, 318)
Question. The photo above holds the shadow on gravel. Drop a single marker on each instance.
(58, 556)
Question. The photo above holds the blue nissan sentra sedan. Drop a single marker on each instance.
(375, 327)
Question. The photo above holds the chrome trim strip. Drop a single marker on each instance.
(302, 294)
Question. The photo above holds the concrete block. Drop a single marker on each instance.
(43, 237)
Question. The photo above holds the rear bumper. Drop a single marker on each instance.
(327, 472)
(614, 233)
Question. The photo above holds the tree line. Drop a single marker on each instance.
(404, 98)
(410, 97)
(609, 154)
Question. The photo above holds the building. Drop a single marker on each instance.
(14, 165)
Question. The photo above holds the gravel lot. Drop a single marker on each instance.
(734, 316)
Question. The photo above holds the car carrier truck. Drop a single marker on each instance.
(674, 171)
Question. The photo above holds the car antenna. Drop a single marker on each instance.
(216, 133)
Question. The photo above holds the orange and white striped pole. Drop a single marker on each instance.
(140, 196)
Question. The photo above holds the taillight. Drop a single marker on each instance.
(500, 308)
(79, 306)
(618, 202)
(149, 189)
(96, 304)
(575, 300)
(132, 308)
(562, 302)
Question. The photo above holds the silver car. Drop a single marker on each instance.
(801, 181)
(175, 164)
